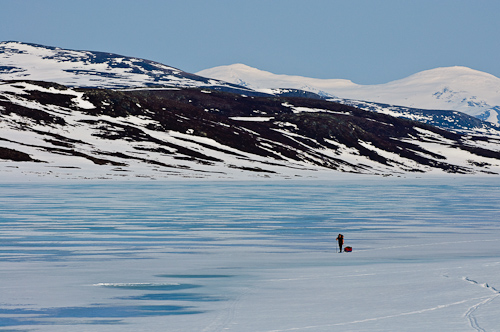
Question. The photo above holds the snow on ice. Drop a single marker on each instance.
(256, 256)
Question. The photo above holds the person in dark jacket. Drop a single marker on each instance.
(340, 240)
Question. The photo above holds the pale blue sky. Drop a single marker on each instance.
(366, 41)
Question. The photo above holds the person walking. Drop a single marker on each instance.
(340, 240)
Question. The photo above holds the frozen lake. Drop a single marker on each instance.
(251, 256)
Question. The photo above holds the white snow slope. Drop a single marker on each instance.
(451, 88)
(22, 61)
(250, 256)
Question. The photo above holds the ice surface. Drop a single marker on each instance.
(251, 256)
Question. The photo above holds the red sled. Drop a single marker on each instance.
(348, 249)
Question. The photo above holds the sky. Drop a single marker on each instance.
(366, 41)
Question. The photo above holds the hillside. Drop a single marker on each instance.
(82, 114)
(50, 129)
(24, 61)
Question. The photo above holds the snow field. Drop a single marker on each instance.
(251, 256)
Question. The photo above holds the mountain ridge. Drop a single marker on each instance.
(94, 69)
(52, 130)
(101, 115)
(455, 88)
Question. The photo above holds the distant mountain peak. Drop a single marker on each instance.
(263, 80)
(455, 88)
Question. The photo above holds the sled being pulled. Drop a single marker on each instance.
(348, 249)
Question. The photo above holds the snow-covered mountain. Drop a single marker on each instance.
(81, 114)
(452, 88)
(23, 61)
(52, 130)
(111, 71)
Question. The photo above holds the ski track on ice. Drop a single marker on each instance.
(227, 315)
(469, 314)
(441, 306)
